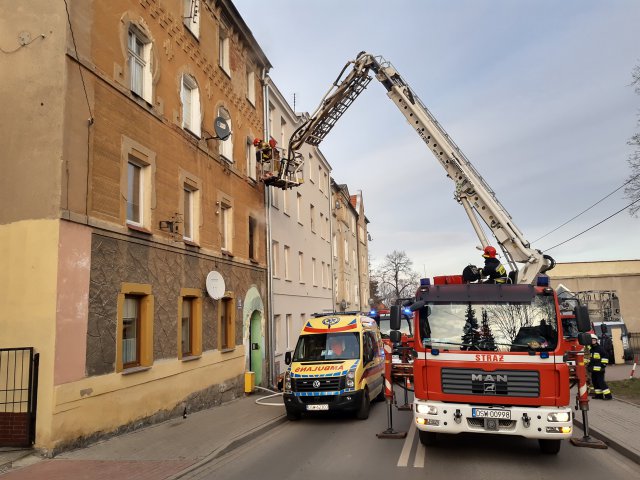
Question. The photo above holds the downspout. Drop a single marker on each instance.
(333, 272)
(267, 205)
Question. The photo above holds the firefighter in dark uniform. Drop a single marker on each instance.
(597, 364)
(492, 267)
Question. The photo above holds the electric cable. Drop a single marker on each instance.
(75, 48)
(584, 211)
(42, 35)
(593, 226)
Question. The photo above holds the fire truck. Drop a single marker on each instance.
(484, 358)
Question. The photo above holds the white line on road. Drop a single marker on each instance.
(406, 449)
(419, 460)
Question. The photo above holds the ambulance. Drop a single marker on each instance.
(337, 365)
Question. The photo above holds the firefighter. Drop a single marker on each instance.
(492, 267)
(597, 364)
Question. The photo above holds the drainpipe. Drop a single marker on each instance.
(333, 272)
(267, 205)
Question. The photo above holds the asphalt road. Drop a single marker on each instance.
(341, 447)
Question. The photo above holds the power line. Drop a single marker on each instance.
(66, 6)
(593, 226)
(584, 211)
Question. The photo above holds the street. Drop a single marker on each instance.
(341, 447)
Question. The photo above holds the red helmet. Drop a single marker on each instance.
(489, 252)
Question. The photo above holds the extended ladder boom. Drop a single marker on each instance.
(471, 190)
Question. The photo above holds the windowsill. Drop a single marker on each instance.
(227, 350)
(191, 358)
(195, 135)
(287, 280)
(226, 72)
(136, 228)
(195, 36)
(190, 243)
(254, 261)
(227, 253)
(252, 102)
(132, 370)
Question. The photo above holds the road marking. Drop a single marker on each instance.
(419, 460)
(406, 448)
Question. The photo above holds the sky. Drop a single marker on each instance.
(536, 94)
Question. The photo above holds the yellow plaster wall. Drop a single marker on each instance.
(104, 403)
(28, 293)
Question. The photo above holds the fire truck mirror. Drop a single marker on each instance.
(395, 317)
(395, 336)
(582, 318)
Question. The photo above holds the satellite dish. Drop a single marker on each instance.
(215, 285)
(222, 129)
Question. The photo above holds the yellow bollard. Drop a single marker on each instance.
(249, 382)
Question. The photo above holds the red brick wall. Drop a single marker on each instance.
(14, 429)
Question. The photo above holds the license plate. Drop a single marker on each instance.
(491, 413)
(319, 406)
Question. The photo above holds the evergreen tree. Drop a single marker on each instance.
(471, 336)
(487, 341)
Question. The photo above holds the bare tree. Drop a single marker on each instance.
(395, 277)
(508, 319)
(632, 190)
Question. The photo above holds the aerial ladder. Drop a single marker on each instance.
(471, 190)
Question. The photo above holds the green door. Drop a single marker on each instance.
(256, 346)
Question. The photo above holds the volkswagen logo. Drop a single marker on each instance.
(330, 321)
(316, 384)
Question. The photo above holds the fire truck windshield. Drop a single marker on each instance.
(490, 326)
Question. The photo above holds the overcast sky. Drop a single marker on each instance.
(535, 93)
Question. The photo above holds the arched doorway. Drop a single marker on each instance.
(256, 344)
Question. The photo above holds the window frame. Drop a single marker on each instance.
(225, 147)
(194, 297)
(191, 15)
(223, 51)
(144, 335)
(226, 322)
(143, 59)
(191, 119)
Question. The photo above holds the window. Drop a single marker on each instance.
(301, 267)
(324, 182)
(252, 238)
(335, 246)
(312, 215)
(135, 200)
(288, 328)
(223, 52)
(313, 272)
(135, 327)
(251, 86)
(299, 207)
(275, 197)
(192, 16)
(186, 327)
(312, 168)
(190, 97)
(139, 60)
(361, 233)
(285, 202)
(354, 262)
(225, 148)
(286, 262)
(276, 260)
(188, 209)
(328, 276)
(321, 225)
(283, 127)
(277, 320)
(190, 323)
(227, 331)
(250, 155)
(136, 184)
(131, 331)
(356, 293)
(322, 280)
(226, 227)
(346, 250)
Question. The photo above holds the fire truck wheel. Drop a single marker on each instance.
(550, 447)
(293, 416)
(428, 439)
(365, 405)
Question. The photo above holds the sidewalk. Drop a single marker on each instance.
(171, 449)
(164, 451)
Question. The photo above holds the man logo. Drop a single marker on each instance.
(490, 388)
(316, 384)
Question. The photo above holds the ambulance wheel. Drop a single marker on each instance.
(428, 439)
(293, 416)
(550, 447)
(365, 405)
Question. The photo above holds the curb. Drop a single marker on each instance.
(232, 445)
(621, 449)
(6, 466)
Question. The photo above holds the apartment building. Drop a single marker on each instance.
(349, 250)
(300, 231)
(124, 201)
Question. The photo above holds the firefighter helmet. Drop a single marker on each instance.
(594, 336)
(489, 252)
